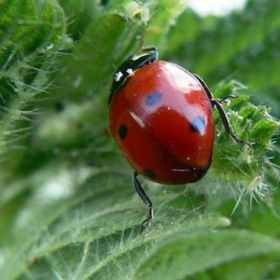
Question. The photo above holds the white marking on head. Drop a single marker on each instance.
(129, 71)
(118, 76)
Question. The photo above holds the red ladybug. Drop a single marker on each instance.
(161, 117)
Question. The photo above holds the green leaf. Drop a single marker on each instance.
(88, 67)
(28, 27)
(68, 209)
(164, 17)
(80, 15)
(192, 255)
(90, 233)
(30, 35)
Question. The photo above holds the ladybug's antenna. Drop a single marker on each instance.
(141, 37)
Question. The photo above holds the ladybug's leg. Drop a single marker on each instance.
(227, 125)
(218, 104)
(145, 199)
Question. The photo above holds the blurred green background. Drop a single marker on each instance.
(67, 206)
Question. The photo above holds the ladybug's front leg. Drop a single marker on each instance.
(145, 199)
(218, 104)
(227, 125)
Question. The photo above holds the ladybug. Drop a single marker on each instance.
(161, 117)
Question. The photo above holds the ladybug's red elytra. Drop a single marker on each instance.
(161, 117)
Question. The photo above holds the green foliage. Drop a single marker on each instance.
(67, 209)
(225, 248)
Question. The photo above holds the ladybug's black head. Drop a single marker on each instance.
(134, 62)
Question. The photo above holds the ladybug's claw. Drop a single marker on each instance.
(146, 223)
(239, 141)
(227, 98)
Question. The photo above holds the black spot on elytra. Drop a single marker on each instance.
(149, 173)
(123, 131)
(153, 98)
(198, 124)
